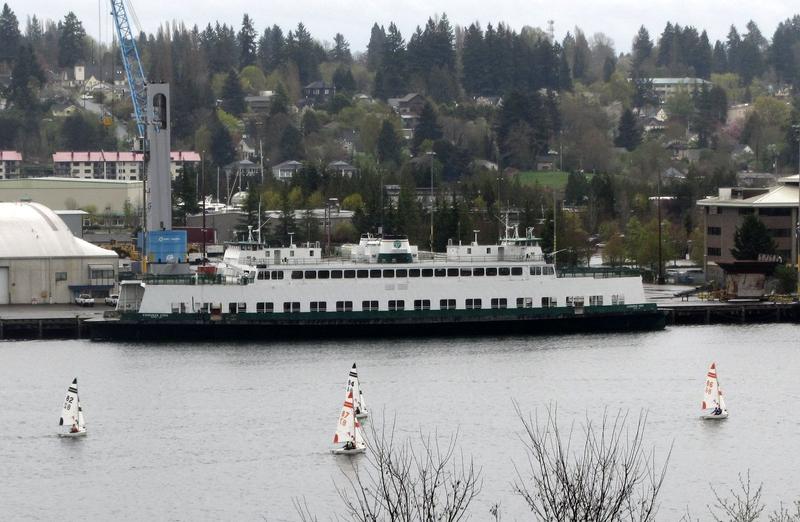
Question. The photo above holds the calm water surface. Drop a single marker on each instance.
(237, 431)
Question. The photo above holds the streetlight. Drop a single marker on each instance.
(660, 280)
(431, 155)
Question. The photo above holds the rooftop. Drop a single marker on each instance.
(115, 156)
(10, 155)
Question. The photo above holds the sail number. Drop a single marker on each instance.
(68, 402)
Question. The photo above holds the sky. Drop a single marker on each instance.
(618, 19)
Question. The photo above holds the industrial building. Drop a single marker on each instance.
(42, 262)
(116, 196)
(115, 165)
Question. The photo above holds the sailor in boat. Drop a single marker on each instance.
(717, 410)
(75, 428)
(349, 445)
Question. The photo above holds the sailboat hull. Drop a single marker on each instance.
(711, 416)
(342, 451)
(362, 415)
(72, 435)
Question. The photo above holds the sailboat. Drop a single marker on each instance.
(713, 401)
(354, 384)
(348, 434)
(72, 413)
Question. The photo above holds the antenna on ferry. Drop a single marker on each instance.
(291, 239)
(475, 242)
(250, 233)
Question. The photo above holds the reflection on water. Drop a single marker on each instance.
(237, 431)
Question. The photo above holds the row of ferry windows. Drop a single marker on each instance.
(399, 305)
(405, 272)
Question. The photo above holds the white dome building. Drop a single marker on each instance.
(42, 262)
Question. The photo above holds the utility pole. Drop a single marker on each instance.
(660, 279)
(431, 155)
(796, 128)
(203, 195)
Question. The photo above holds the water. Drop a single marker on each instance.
(237, 431)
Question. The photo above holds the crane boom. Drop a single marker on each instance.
(133, 64)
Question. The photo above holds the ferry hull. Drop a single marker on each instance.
(455, 323)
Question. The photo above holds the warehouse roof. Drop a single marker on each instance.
(31, 230)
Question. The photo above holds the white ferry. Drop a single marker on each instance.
(380, 283)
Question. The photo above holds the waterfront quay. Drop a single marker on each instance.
(43, 321)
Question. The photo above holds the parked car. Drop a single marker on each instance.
(84, 300)
(112, 299)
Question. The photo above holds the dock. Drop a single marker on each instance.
(43, 321)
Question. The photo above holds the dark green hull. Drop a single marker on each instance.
(422, 323)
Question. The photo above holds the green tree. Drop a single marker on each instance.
(233, 95)
(279, 104)
(9, 35)
(642, 49)
(628, 133)
(71, 41)
(752, 239)
(428, 127)
(341, 50)
(389, 146)
(247, 42)
(291, 146)
(27, 78)
(343, 80)
(310, 123)
(222, 149)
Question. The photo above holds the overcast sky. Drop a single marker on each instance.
(619, 19)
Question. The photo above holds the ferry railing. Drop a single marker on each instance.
(598, 272)
(437, 259)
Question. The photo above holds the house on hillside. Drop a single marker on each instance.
(411, 103)
(62, 110)
(342, 168)
(286, 170)
(259, 104)
(546, 162)
(247, 148)
(672, 175)
(318, 92)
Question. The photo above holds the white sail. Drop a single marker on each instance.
(359, 436)
(70, 411)
(362, 402)
(711, 393)
(354, 386)
(81, 420)
(345, 428)
(722, 402)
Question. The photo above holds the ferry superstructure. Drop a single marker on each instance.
(380, 283)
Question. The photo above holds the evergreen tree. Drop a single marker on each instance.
(222, 151)
(719, 60)
(389, 146)
(9, 35)
(341, 50)
(247, 42)
(581, 58)
(750, 57)
(752, 239)
(27, 78)
(564, 73)
(233, 95)
(343, 80)
(733, 50)
(310, 123)
(704, 119)
(375, 46)
(703, 58)
(473, 61)
(393, 65)
(271, 48)
(279, 104)
(428, 127)
(666, 46)
(71, 41)
(609, 66)
(784, 53)
(34, 32)
(642, 48)
(291, 146)
(628, 133)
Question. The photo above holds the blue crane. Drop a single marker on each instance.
(133, 65)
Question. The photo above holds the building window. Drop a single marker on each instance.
(575, 301)
(427, 272)
(780, 232)
(714, 231)
(452, 272)
(714, 251)
(344, 306)
(499, 303)
(61, 276)
(447, 304)
(548, 270)
(311, 274)
(323, 274)
(466, 272)
(397, 305)
(337, 274)
(504, 271)
(388, 273)
(618, 299)
(369, 306)
(318, 306)
(774, 212)
(264, 308)
(422, 304)
(241, 308)
(401, 272)
(595, 300)
(549, 302)
(231, 308)
(516, 270)
(491, 271)
(473, 304)
(439, 272)
(297, 274)
(478, 272)
(414, 272)
(291, 307)
(746, 211)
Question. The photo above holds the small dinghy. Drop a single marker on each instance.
(348, 437)
(354, 384)
(713, 401)
(72, 413)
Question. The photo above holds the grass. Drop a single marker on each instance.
(553, 179)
